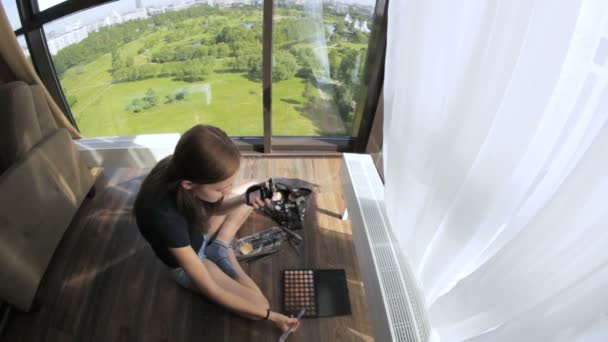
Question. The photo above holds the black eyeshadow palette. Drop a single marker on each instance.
(322, 293)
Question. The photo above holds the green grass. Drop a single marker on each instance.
(286, 100)
(235, 105)
(106, 114)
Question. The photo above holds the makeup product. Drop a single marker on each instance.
(321, 292)
(259, 244)
(292, 234)
(260, 191)
(288, 204)
(260, 257)
(286, 333)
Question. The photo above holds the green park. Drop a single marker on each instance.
(203, 64)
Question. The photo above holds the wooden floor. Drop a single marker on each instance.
(105, 284)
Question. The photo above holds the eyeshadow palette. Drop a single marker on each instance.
(321, 292)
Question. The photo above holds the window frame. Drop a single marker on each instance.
(32, 21)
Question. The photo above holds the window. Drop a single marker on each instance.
(10, 7)
(319, 50)
(129, 69)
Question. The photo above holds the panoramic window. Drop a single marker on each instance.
(319, 50)
(157, 66)
(133, 67)
(10, 7)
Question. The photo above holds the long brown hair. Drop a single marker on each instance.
(203, 155)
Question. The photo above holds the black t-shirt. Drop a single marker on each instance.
(164, 227)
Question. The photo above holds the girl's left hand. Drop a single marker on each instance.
(259, 203)
(254, 197)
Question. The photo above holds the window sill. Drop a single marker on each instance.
(145, 150)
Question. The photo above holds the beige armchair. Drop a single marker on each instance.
(43, 182)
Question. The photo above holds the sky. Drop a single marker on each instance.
(102, 11)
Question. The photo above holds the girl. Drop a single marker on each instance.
(189, 213)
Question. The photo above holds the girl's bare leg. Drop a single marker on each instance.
(227, 226)
(236, 287)
(233, 222)
(243, 278)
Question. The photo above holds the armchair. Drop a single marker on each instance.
(43, 182)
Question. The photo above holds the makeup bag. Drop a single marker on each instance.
(288, 204)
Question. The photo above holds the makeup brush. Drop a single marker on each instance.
(260, 257)
(294, 245)
(285, 334)
(290, 232)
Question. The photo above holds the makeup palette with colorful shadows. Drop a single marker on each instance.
(322, 293)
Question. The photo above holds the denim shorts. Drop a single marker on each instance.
(180, 275)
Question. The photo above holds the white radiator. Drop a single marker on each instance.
(395, 302)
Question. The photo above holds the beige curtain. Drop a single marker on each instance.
(14, 66)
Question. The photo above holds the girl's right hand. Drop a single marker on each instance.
(283, 322)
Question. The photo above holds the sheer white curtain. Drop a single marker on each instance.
(496, 161)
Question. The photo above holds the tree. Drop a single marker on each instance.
(285, 66)
(335, 38)
(184, 53)
(174, 36)
(246, 56)
(163, 55)
(120, 75)
(334, 59)
(149, 43)
(309, 63)
(147, 71)
(212, 50)
(230, 34)
(194, 70)
(339, 28)
(344, 102)
(360, 37)
(350, 77)
(117, 61)
(201, 51)
(347, 72)
(135, 106)
(150, 99)
(254, 66)
(223, 50)
(133, 74)
(308, 93)
(233, 35)
(279, 37)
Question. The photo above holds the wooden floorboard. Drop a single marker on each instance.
(105, 284)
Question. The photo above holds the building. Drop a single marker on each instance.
(75, 34)
(348, 19)
(139, 13)
(361, 26)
